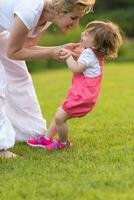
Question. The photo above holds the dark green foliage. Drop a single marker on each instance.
(120, 12)
(104, 5)
(124, 18)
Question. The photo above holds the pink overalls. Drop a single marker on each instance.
(83, 93)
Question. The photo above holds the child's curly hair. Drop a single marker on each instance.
(107, 38)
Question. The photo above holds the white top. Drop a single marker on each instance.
(29, 11)
(89, 59)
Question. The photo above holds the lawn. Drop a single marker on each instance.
(99, 165)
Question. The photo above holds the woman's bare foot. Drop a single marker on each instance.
(7, 154)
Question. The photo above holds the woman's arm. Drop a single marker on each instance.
(18, 50)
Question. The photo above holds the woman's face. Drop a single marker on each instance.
(66, 21)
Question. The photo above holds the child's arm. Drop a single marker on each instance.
(74, 66)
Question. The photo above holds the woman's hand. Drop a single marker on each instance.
(55, 53)
(59, 53)
(64, 54)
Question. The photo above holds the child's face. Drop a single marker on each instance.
(87, 39)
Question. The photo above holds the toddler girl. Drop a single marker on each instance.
(100, 40)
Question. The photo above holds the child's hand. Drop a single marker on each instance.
(64, 54)
(77, 51)
(71, 46)
(75, 48)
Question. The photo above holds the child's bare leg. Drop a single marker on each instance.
(61, 118)
(51, 131)
(58, 124)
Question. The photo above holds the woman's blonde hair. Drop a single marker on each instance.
(70, 5)
(107, 38)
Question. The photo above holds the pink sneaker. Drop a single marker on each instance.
(58, 145)
(39, 141)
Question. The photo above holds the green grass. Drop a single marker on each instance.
(99, 166)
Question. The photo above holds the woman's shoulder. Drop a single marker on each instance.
(29, 12)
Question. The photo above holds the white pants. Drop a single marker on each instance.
(20, 115)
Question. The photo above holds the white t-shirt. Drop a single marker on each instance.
(29, 11)
(89, 59)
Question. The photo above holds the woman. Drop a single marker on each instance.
(21, 23)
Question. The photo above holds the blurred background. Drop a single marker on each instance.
(120, 12)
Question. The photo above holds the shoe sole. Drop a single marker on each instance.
(43, 146)
(38, 145)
